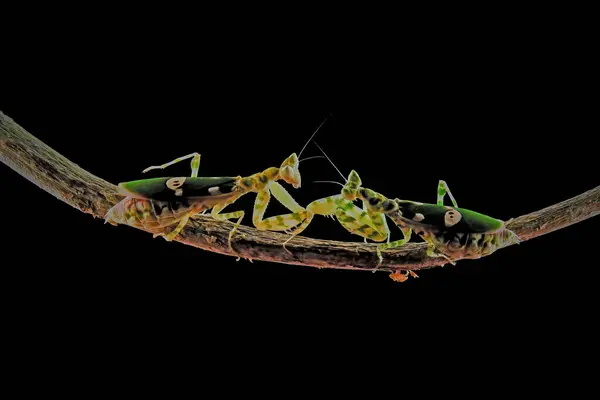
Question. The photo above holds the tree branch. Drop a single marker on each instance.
(65, 180)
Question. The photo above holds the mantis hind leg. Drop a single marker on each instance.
(432, 251)
(215, 213)
(171, 235)
(195, 164)
(444, 190)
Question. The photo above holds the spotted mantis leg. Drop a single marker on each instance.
(276, 223)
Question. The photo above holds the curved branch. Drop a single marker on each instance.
(65, 180)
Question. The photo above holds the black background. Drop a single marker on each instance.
(507, 121)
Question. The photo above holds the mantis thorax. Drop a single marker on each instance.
(288, 172)
(374, 201)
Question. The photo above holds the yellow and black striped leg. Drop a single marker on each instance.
(226, 217)
(292, 223)
(366, 211)
(195, 164)
(443, 189)
(325, 207)
(171, 235)
(433, 252)
(351, 217)
(285, 222)
(360, 222)
(390, 245)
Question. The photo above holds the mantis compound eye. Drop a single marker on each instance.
(291, 176)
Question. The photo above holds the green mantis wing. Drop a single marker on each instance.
(433, 217)
(478, 223)
(177, 188)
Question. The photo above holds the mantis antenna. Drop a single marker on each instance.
(336, 168)
(310, 158)
(337, 183)
(313, 135)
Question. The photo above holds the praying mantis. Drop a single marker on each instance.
(449, 231)
(157, 204)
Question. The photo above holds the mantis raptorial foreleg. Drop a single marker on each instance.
(355, 219)
(362, 222)
(280, 222)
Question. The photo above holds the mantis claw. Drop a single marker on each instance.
(285, 248)
(165, 236)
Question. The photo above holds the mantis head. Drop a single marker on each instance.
(352, 186)
(289, 171)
